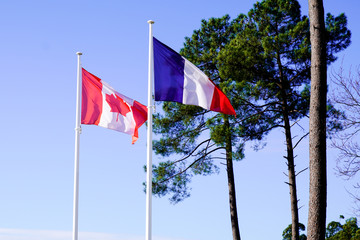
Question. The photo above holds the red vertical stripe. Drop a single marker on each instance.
(220, 103)
(91, 102)
(140, 116)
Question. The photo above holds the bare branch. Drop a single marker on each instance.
(297, 143)
(190, 154)
(192, 164)
(301, 171)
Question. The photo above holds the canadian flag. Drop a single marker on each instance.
(101, 105)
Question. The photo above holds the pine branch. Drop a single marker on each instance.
(192, 164)
(190, 154)
(301, 171)
(297, 143)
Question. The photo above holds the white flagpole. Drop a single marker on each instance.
(77, 145)
(149, 137)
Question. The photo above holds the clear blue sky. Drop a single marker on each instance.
(39, 40)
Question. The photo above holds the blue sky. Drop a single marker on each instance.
(39, 41)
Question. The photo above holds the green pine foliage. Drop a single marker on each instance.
(347, 231)
(287, 232)
(334, 230)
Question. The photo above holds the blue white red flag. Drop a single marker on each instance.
(178, 80)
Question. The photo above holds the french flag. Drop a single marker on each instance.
(103, 106)
(178, 80)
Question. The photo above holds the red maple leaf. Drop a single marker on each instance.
(117, 104)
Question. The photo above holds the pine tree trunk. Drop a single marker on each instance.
(292, 181)
(231, 183)
(317, 136)
(290, 157)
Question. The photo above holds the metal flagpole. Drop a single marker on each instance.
(77, 145)
(149, 137)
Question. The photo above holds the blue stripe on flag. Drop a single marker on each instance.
(168, 73)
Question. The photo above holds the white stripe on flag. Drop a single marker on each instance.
(198, 89)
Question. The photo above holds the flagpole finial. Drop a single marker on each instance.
(79, 53)
(150, 22)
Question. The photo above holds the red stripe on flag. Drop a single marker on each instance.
(91, 102)
(140, 116)
(220, 103)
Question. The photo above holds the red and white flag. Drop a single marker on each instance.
(103, 106)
